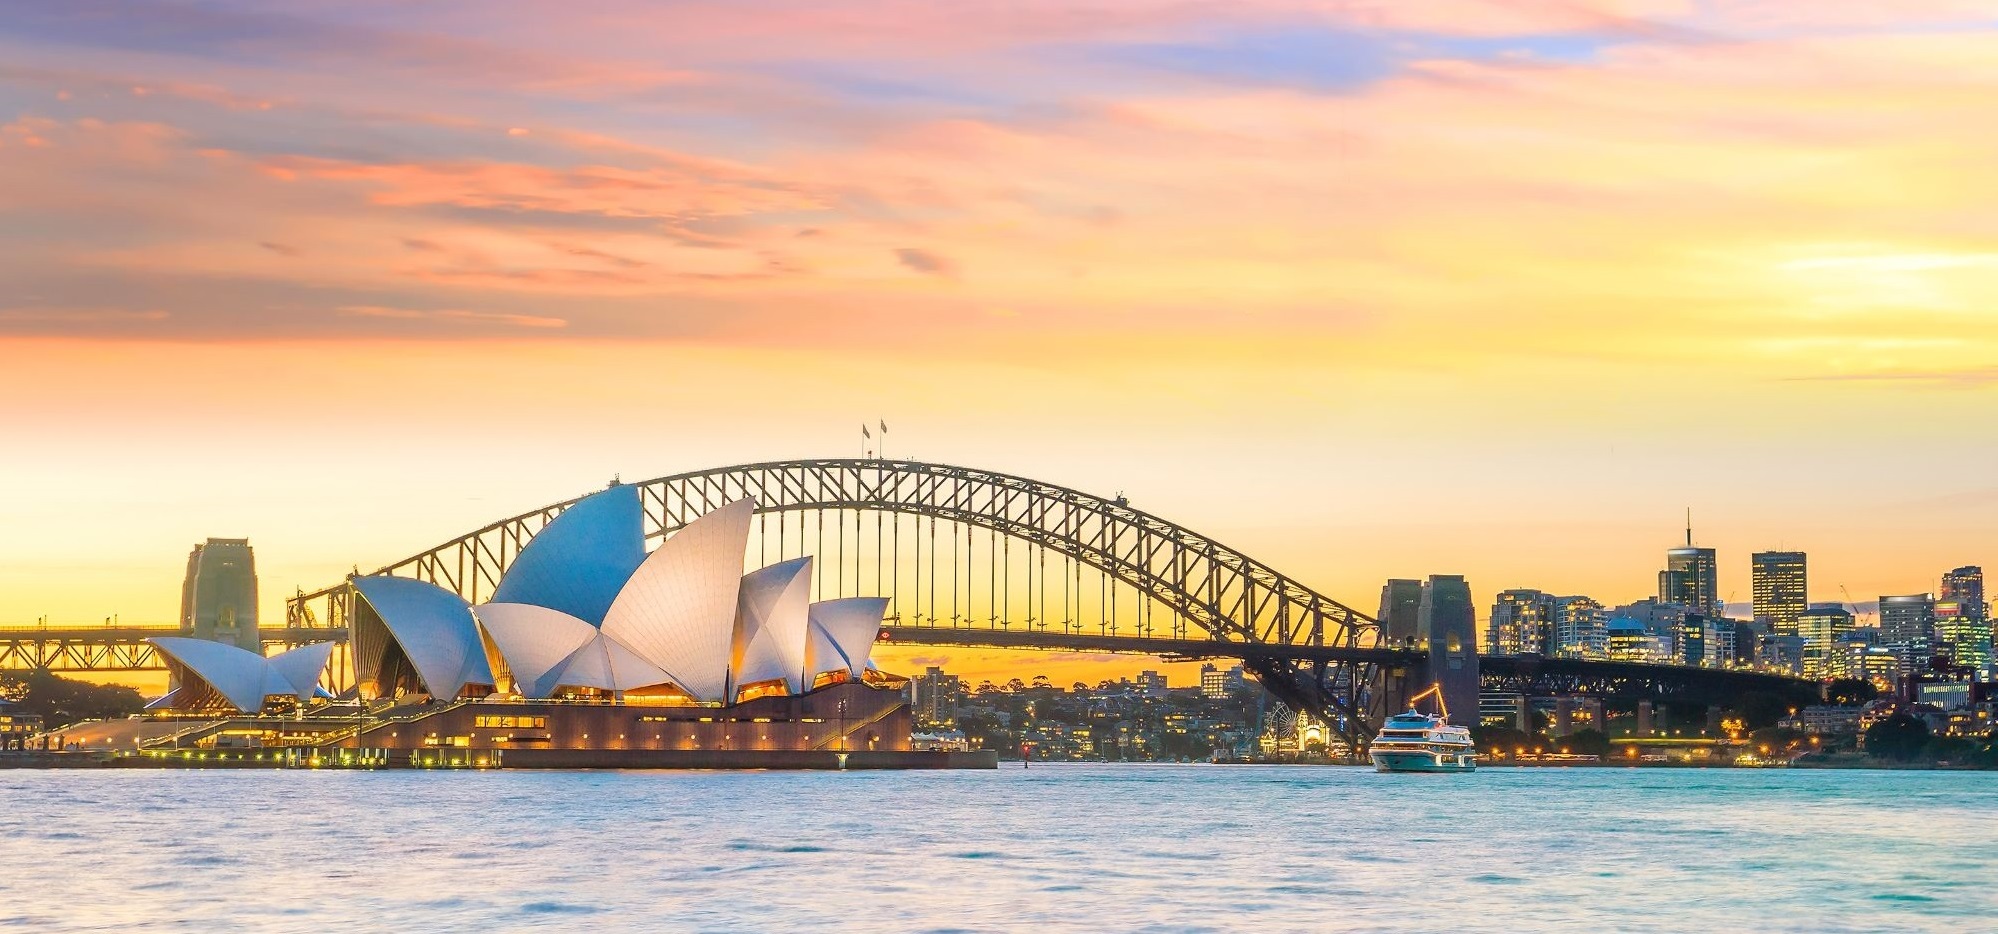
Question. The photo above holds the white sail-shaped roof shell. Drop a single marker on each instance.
(773, 614)
(535, 641)
(434, 627)
(606, 663)
(299, 669)
(243, 677)
(548, 649)
(678, 610)
(579, 561)
(843, 634)
(235, 673)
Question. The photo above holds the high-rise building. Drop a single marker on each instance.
(1858, 654)
(1821, 627)
(218, 598)
(1151, 684)
(1665, 621)
(1580, 628)
(1447, 624)
(1780, 591)
(1908, 628)
(1965, 585)
(1706, 641)
(1629, 641)
(1217, 683)
(1963, 637)
(934, 697)
(1690, 579)
(1522, 623)
(1401, 605)
(1781, 653)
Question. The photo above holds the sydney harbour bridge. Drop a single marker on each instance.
(978, 558)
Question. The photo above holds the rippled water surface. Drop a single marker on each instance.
(1056, 848)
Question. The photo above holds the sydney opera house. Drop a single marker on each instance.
(592, 652)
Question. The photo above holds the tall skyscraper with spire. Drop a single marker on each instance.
(1691, 576)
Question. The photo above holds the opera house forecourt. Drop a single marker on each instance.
(591, 653)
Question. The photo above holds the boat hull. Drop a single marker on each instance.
(1423, 762)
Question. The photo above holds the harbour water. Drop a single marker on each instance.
(1051, 848)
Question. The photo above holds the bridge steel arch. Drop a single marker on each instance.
(1226, 595)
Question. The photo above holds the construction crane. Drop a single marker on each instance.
(1854, 604)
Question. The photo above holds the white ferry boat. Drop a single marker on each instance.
(1417, 742)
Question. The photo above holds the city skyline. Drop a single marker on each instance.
(1498, 624)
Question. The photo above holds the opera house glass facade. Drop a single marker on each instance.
(591, 651)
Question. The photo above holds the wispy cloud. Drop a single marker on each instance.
(79, 316)
(1967, 377)
(925, 261)
(453, 314)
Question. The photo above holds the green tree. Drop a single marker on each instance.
(1899, 738)
(1846, 692)
(1759, 709)
(1952, 749)
(61, 701)
(1503, 739)
(1984, 753)
(1586, 743)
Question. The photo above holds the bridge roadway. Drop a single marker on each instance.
(123, 648)
(118, 648)
(1076, 641)
(1532, 675)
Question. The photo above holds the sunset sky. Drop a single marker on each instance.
(1365, 289)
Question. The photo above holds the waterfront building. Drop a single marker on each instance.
(1908, 627)
(1965, 586)
(16, 726)
(941, 741)
(1580, 628)
(1218, 684)
(1522, 623)
(1964, 638)
(1401, 608)
(1824, 719)
(935, 696)
(1780, 589)
(218, 597)
(1821, 627)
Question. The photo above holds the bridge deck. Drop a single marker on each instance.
(1135, 645)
